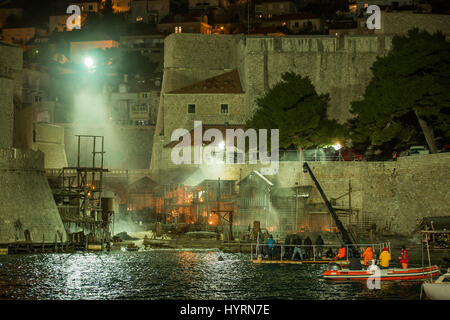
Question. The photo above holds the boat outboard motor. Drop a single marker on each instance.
(334, 266)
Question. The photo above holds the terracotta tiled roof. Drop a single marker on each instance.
(225, 83)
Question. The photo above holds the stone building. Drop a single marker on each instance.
(271, 8)
(200, 5)
(150, 46)
(134, 103)
(6, 12)
(183, 24)
(80, 49)
(149, 11)
(218, 101)
(21, 36)
(89, 5)
(296, 23)
(363, 4)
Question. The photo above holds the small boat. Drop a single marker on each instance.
(132, 247)
(385, 274)
(440, 289)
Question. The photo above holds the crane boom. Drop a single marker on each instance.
(345, 235)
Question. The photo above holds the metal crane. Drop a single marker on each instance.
(346, 237)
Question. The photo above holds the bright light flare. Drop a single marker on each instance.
(337, 146)
(89, 62)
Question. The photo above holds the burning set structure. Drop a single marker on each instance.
(85, 212)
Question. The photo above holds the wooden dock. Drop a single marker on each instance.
(260, 261)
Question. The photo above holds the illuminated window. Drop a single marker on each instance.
(366, 5)
(191, 108)
(224, 108)
(178, 29)
(139, 19)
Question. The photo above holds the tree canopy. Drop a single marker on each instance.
(294, 107)
(408, 100)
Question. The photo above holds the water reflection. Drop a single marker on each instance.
(176, 274)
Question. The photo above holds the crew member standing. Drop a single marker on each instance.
(385, 257)
(368, 255)
(341, 253)
(404, 258)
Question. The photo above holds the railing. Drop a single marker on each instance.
(259, 249)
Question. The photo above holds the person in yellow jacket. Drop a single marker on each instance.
(385, 257)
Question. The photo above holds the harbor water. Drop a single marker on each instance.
(176, 274)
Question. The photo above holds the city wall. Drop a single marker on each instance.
(26, 201)
(126, 147)
(339, 66)
(395, 195)
(27, 209)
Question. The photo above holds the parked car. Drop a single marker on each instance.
(350, 155)
(417, 150)
(446, 148)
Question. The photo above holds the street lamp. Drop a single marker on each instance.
(338, 147)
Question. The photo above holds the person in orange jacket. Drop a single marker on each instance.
(368, 255)
(341, 253)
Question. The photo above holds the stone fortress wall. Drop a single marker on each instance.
(27, 208)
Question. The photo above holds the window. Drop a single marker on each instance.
(178, 29)
(224, 108)
(91, 7)
(140, 108)
(144, 95)
(37, 99)
(191, 108)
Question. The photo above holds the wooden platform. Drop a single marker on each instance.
(259, 261)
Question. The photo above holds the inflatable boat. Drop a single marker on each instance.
(336, 273)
